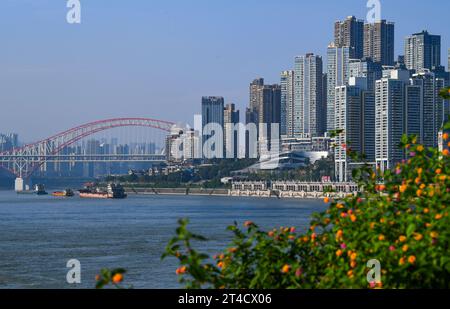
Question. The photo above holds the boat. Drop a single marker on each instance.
(40, 189)
(112, 191)
(65, 193)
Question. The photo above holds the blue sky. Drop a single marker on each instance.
(157, 58)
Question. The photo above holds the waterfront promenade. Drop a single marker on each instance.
(278, 189)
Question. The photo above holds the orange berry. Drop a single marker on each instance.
(248, 223)
(438, 171)
(401, 261)
(412, 259)
(418, 237)
(352, 264)
(97, 277)
(381, 238)
(353, 256)
(353, 218)
(220, 264)
(445, 152)
(438, 217)
(326, 200)
(434, 235)
(420, 148)
(339, 253)
(350, 273)
(405, 248)
(445, 135)
(117, 278)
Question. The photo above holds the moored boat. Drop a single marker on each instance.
(65, 193)
(112, 191)
(40, 189)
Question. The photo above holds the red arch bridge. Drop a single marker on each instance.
(23, 161)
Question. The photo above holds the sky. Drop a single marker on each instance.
(156, 59)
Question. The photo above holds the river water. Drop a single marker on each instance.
(39, 234)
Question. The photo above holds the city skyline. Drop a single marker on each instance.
(58, 75)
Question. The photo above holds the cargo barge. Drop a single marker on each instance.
(112, 191)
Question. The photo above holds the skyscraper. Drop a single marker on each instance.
(308, 117)
(422, 51)
(254, 88)
(365, 68)
(269, 114)
(230, 119)
(448, 60)
(379, 42)
(355, 116)
(337, 75)
(390, 118)
(287, 103)
(350, 33)
(432, 107)
(212, 114)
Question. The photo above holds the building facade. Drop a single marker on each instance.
(287, 103)
(379, 42)
(308, 111)
(212, 116)
(422, 51)
(337, 75)
(350, 33)
(231, 136)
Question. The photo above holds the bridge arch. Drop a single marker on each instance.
(23, 161)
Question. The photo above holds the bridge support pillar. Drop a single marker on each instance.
(19, 185)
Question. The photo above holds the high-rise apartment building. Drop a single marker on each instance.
(254, 88)
(448, 60)
(350, 33)
(231, 119)
(365, 68)
(355, 116)
(390, 118)
(422, 51)
(212, 116)
(337, 75)
(287, 103)
(379, 42)
(432, 107)
(308, 111)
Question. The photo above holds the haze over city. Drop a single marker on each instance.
(166, 56)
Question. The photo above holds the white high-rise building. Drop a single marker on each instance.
(308, 110)
(287, 103)
(432, 107)
(354, 105)
(337, 75)
(390, 118)
(422, 51)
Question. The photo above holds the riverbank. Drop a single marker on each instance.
(234, 193)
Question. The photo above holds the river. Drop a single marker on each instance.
(39, 234)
